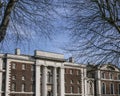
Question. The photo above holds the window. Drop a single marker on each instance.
(13, 77)
(71, 71)
(23, 66)
(32, 67)
(13, 87)
(118, 76)
(71, 81)
(49, 77)
(32, 88)
(78, 89)
(13, 66)
(103, 88)
(32, 77)
(111, 76)
(111, 88)
(78, 82)
(78, 72)
(103, 75)
(65, 71)
(23, 87)
(65, 80)
(119, 88)
(71, 89)
(23, 77)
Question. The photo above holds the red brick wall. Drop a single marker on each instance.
(27, 73)
(75, 78)
(108, 81)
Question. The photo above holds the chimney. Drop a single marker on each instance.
(71, 59)
(17, 51)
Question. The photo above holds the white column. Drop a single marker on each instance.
(54, 82)
(44, 81)
(61, 83)
(37, 78)
(98, 83)
(85, 83)
(7, 81)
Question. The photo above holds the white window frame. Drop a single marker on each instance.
(13, 77)
(71, 71)
(13, 87)
(23, 77)
(23, 87)
(13, 66)
(78, 89)
(23, 66)
(71, 89)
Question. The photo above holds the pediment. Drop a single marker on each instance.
(109, 67)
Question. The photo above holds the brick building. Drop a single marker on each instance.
(49, 74)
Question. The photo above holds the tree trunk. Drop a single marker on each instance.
(5, 21)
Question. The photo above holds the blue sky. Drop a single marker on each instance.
(56, 44)
(59, 39)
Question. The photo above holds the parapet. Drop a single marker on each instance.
(49, 55)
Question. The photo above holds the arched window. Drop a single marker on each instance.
(91, 88)
(111, 88)
(103, 88)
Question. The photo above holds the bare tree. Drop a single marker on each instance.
(95, 30)
(21, 19)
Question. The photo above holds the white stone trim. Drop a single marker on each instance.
(98, 83)
(44, 81)
(82, 80)
(61, 82)
(54, 81)
(37, 78)
(7, 81)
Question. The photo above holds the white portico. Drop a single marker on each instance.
(49, 74)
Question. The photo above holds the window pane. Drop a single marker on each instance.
(103, 88)
(119, 88)
(112, 89)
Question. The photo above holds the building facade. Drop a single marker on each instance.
(49, 74)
